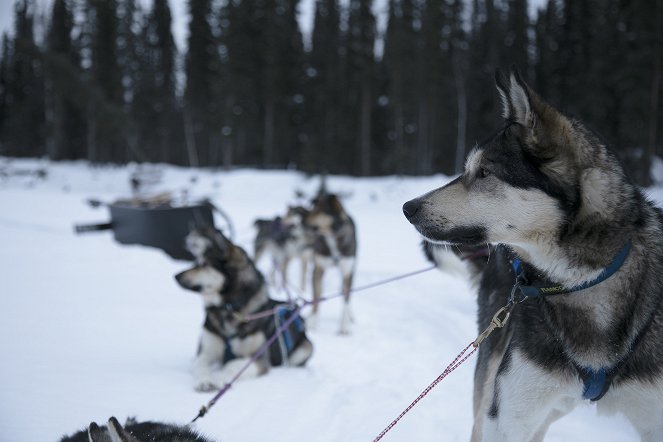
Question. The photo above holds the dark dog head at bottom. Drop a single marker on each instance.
(135, 432)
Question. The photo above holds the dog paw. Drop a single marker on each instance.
(205, 387)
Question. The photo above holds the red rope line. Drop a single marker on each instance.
(451, 367)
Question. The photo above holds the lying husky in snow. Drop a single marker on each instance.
(232, 287)
(135, 432)
(334, 245)
(591, 245)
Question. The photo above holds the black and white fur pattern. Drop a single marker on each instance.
(232, 287)
(545, 189)
(334, 245)
(133, 431)
(284, 239)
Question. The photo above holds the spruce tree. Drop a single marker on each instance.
(25, 126)
(201, 101)
(65, 120)
(155, 105)
(361, 44)
(323, 97)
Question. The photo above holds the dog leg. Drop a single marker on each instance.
(484, 381)
(283, 268)
(641, 403)
(231, 369)
(526, 400)
(210, 352)
(304, 271)
(346, 314)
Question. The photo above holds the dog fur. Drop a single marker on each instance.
(232, 287)
(284, 239)
(545, 189)
(334, 245)
(135, 432)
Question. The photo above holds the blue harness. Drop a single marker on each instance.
(596, 382)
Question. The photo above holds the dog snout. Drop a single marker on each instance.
(411, 208)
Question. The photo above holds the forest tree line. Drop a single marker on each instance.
(102, 80)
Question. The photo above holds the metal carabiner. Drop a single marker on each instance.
(499, 320)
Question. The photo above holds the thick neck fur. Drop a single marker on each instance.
(244, 281)
(607, 216)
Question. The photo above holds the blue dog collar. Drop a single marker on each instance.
(532, 291)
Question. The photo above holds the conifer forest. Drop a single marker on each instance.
(103, 80)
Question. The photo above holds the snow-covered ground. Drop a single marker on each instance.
(91, 329)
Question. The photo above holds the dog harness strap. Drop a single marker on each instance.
(532, 291)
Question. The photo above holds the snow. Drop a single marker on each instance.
(91, 329)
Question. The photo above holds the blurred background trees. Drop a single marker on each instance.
(102, 80)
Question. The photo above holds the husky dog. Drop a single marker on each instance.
(576, 236)
(135, 432)
(284, 239)
(335, 245)
(231, 288)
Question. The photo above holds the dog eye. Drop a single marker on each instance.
(483, 172)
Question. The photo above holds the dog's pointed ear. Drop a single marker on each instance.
(96, 433)
(223, 243)
(517, 100)
(119, 434)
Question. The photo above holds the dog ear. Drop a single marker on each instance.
(223, 243)
(119, 434)
(516, 98)
(96, 433)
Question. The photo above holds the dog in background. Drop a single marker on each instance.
(135, 432)
(284, 239)
(232, 288)
(546, 191)
(334, 245)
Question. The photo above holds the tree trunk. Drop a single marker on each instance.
(462, 116)
(365, 140)
(190, 140)
(91, 135)
(655, 88)
(268, 140)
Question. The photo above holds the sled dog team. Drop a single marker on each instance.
(550, 228)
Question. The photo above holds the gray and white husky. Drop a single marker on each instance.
(578, 260)
(232, 288)
(334, 244)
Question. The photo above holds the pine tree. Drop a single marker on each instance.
(458, 47)
(25, 126)
(323, 97)
(155, 105)
(4, 87)
(106, 120)
(65, 121)
(201, 100)
(361, 44)
(240, 41)
(485, 56)
(547, 67)
(400, 59)
(516, 39)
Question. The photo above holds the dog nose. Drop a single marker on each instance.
(411, 208)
